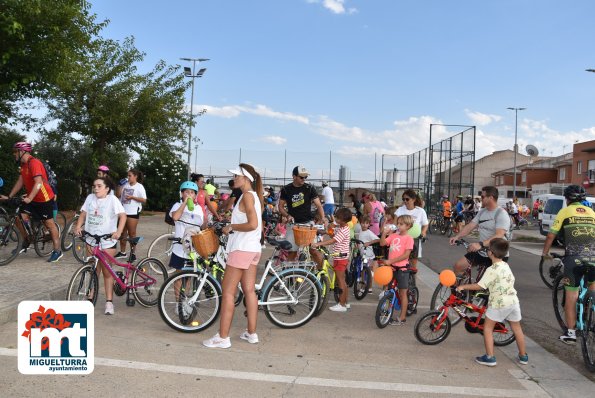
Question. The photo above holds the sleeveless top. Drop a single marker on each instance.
(245, 241)
(376, 216)
(201, 200)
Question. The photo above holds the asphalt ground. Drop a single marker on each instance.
(334, 354)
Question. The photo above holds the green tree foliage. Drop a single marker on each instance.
(40, 40)
(163, 173)
(9, 170)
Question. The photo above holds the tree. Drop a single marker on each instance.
(163, 171)
(106, 102)
(9, 169)
(41, 40)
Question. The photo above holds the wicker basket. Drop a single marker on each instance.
(303, 235)
(205, 242)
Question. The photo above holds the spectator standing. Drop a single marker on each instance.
(132, 196)
(356, 204)
(412, 207)
(375, 210)
(329, 201)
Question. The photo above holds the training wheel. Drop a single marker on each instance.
(130, 302)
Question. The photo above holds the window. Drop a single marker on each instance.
(591, 170)
(562, 173)
(524, 177)
(579, 167)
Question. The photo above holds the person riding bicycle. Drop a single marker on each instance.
(492, 222)
(468, 208)
(39, 198)
(576, 223)
(294, 204)
(459, 214)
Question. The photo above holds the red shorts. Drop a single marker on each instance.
(340, 264)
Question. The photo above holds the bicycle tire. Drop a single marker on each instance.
(304, 286)
(588, 335)
(558, 301)
(441, 293)
(68, 234)
(432, 226)
(500, 338)
(84, 285)
(412, 300)
(362, 284)
(60, 220)
(325, 289)
(9, 247)
(148, 295)
(161, 248)
(549, 269)
(427, 324)
(199, 316)
(384, 309)
(79, 249)
(42, 242)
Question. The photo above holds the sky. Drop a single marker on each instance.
(330, 82)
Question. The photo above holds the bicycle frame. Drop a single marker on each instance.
(454, 303)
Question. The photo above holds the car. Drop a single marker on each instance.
(554, 204)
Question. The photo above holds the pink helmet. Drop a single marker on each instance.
(224, 196)
(103, 168)
(23, 146)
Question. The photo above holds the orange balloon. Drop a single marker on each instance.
(383, 275)
(448, 277)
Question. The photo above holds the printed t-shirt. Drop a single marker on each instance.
(446, 209)
(499, 280)
(298, 201)
(102, 217)
(30, 170)
(341, 238)
(189, 218)
(131, 206)
(367, 236)
(398, 244)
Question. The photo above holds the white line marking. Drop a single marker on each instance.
(311, 381)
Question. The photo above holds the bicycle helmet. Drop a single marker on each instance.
(103, 168)
(22, 146)
(189, 185)
(575, 193)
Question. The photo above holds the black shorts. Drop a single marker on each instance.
(573, 271)
(39, 210)
(178, 262)
(135, 216)
(476, 259)
(402, 278)
(459, 218)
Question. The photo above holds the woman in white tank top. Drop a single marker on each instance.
(244, 250)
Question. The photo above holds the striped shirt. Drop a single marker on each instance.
(342, 240)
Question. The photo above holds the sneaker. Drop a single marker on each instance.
(369, 290)
(250, 338)
(485, 360)
(55, 256)
(338, 308)
(568, 338)
(397, 322)
(348, 306)
(523, 359)
(23, 249)
(120, 255)
(217, 342)
(132, 258)
(109, 308)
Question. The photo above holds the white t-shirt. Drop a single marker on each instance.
(367, 236)
(418, 214)
(102, 217)
(327, 192)
(131, 206)
(188, 219)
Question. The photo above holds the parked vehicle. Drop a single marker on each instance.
(554, 204)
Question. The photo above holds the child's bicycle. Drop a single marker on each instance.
(434, 326)
(390, 301)
(143, 279)
(360, 274)
(585, 312)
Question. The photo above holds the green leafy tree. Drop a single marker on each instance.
(163, 173)
(9, 170)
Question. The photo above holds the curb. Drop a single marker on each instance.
(10, 313)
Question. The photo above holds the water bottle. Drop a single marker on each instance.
(190, 204)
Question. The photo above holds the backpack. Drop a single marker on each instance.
(52, 179)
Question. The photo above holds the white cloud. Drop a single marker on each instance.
(274, 139)
(335, 6)
(233, 111)
(482, 119)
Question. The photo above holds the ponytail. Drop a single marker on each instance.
(257, 183)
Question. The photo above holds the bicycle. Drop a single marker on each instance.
(84, 283)
(67, 238)
(361, 275)
(161, 247)
(391, 301)
(585, 313)
(442, 293)
(190, 300)
(434, 326)
(550, 267)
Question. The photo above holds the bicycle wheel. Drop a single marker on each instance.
(441, 294)
(60, 221)
(549, 269)
(559, 300)
(432, 225)
(412, 300)
(444, 228)
(503, 334)
(325, 290)
(161, 248)
(432, 328)
(79, 249)
(189, 316)
(43, 243)
(148, 295)
(384, 310)
(303, 286)
(10, 242)
(83, 285)
(68, 234)
(362, 283)
(588, 335)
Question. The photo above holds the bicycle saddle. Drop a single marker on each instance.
(282, 244)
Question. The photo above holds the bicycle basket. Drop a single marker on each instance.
(206, 242)
(304, 235)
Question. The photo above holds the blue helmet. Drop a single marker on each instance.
(189, 185)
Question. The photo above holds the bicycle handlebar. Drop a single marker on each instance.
(97, 238)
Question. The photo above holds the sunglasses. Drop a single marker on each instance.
(303, 178)
(406, 199)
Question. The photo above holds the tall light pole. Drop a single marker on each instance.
(191, 73)
(516, 122)
(197, 141)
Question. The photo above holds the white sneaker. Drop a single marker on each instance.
(109, 308)
(348, 306)
(338, 308)
(250, 338)
(217, 342)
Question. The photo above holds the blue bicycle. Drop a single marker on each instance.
(359, 270)
(391, 301)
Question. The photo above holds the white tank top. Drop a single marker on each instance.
(245, 241)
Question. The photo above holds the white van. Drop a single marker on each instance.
(554, 204)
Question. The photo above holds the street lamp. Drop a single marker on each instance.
(516, 122)
(197, 141)
(190, 73)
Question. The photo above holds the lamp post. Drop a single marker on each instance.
(190, 73)
(516, 122)
(197, 141)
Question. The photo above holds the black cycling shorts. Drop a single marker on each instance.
(39, 210)
(573, 271)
